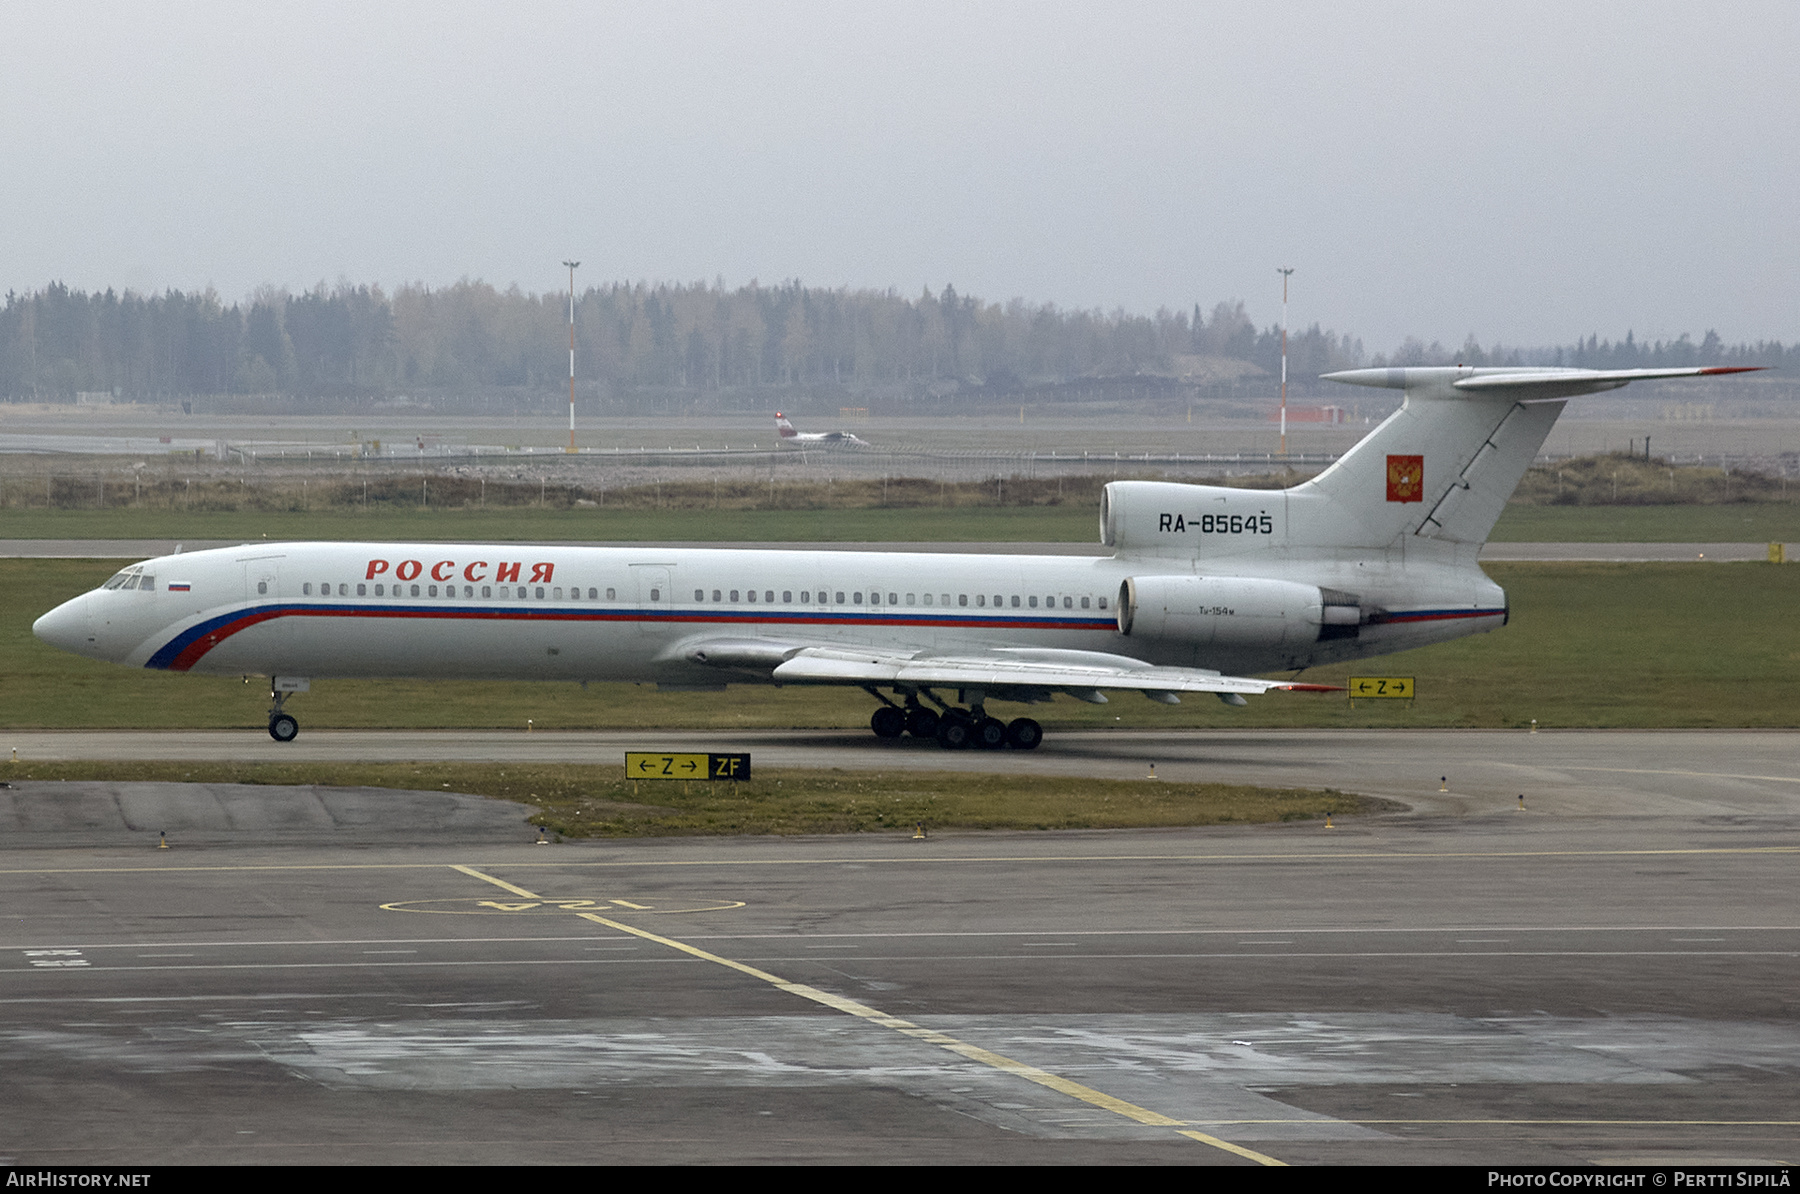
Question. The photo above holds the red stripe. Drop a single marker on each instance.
(196, 650)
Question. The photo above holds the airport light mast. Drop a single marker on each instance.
(572, 265)
(1283, 271)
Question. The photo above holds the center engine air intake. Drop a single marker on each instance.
(1234, 610)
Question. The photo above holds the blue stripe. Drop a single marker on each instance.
(166, 655)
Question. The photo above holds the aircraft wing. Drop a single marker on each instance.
(1083, 674)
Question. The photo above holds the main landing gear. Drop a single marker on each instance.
(954, 729)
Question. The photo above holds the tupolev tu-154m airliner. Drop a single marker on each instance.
(1206, 587)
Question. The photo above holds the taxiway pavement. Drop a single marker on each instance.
(1607, 977)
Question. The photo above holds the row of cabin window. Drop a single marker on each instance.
(554, 593)
(855, 598)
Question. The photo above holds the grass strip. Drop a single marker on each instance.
(587, 800)
(1735, 523)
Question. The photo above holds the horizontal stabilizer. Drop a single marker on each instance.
(1519, 383)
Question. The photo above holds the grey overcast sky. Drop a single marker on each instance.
(1526, 172)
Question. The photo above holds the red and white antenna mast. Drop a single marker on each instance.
(1284, 272)
(572, 265)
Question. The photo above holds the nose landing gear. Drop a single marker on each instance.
(282, 726)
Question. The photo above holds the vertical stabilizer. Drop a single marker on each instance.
(1441, 467)
(1444, 465)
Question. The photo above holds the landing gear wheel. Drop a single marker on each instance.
(953, 733)
(922, 722)
(989, 733)
(1024, 734)
(283, 728)
(888, 722)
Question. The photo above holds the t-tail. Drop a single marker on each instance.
(783, 428)
(1432, 478)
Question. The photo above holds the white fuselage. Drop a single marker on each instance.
(586, 613)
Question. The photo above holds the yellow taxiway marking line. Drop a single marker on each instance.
(1290, 856)
(1776, 779)
(1030, 1073)
(1617, 1123)
(518, 891)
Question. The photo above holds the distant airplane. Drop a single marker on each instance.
(1206, 587)
(844, 439)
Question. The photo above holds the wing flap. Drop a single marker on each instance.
(832, 665)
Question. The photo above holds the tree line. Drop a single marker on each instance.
(357, 341)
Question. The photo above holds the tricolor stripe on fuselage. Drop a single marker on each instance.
(187, 648)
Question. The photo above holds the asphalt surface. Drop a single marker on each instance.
(1609, 977)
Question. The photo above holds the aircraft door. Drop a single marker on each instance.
(267, 641)
(655, 596)
(262, 579)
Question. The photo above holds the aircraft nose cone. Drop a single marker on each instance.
(68, 626)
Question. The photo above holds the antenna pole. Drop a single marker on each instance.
(572, 265)
(1284, 272)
